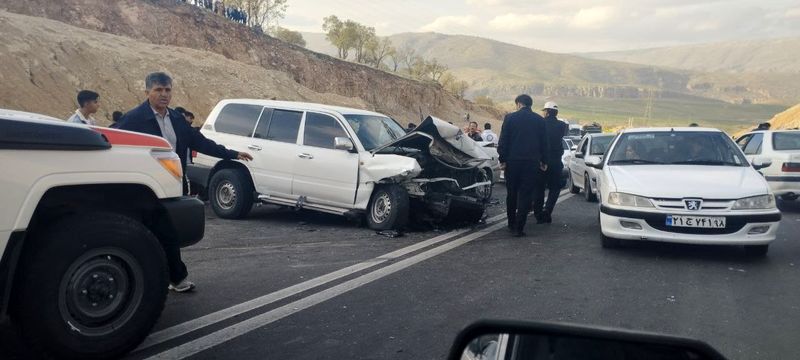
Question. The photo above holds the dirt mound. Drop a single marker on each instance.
(788, 119)
(174, 24)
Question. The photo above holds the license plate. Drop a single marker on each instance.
(696, 221)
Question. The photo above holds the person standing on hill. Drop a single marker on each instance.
(87, 107)
(522, 150)
(154, 117)
(550, 179)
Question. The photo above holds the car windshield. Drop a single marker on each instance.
(676, 148)
(565, 144)
(786, 140)
(600, 144)
(374, 131)
(574, 131)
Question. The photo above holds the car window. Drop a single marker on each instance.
(564, 144)
(754, 145)
(238, 119)
(374, 131)
(320, 130)
(676, 148)
(786, 141)
(600, 144)
(742, 141)
(284, 126)
(584, 145)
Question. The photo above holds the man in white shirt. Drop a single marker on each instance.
(488, 134)
(87, 107)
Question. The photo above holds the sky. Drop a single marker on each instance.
(565, 26)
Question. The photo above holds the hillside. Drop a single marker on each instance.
(502, 70)
(754, 56)
(789, 119)
(46, 59)
(163, 29)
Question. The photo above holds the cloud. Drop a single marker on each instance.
(514, 22)
(593, 18)
(448, 23)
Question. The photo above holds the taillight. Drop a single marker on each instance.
(790, 167)
(170, 162)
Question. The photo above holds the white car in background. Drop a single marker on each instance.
(783, 148)
(685, 185)
(582, 177)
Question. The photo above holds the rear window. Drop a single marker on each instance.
(284, 126)
(238, 119)
(786, 140)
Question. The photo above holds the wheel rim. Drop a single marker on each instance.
(101, 291)
(226, 195)
(382, 208)
(483, 192)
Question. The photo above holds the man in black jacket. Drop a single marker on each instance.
(550, 179)
(154, 117)
(522, 149)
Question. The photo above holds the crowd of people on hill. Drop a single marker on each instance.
(218, 7)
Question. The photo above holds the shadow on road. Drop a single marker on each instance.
(672, 251)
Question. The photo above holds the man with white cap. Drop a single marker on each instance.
(550, 179)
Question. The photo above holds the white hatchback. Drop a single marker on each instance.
(685, 185)
(783, 148)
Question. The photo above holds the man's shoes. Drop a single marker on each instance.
(511, 226)
(518, 233)
(540, 217)
(183, 286)
(546, 218)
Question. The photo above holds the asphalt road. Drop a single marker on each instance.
(301, 285)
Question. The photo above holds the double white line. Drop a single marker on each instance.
(253, 323)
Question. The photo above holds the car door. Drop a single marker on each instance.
(322, 174)
(577, 165)
(274, 147)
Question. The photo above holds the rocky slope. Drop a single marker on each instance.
(229, 60)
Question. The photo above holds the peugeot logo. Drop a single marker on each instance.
(693, 204)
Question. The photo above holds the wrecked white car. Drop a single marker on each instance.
(341, 161)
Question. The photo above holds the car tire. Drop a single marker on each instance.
(587, 189)
(231, 194)
(571, 184)
(93, 288)
(756, 250)
(388, 208)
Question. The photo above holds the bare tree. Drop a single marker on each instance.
(378, 49)
(262, 13)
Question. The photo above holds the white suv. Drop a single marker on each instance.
(782, 147)
(341, 161)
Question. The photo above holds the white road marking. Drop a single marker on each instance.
(223, 335)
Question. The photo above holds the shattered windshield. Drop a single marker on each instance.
(374, 131)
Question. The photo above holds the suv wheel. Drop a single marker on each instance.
(571, 184)
(230, 194)
(388, 208)
(587, 189)
(93, 288)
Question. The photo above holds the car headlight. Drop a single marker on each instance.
(623, 199)
(755, 202)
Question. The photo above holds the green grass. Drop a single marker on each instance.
(666, 112)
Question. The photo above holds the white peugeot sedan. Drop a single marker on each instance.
(684, 185)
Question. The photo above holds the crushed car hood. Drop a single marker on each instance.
(682, 181)
(444, 141)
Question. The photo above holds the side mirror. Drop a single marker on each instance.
(761, 162)
(343, 143)
(573, 147)
(579, 155)
(594, 161)
(542, 340)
